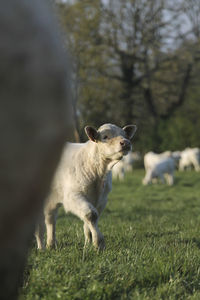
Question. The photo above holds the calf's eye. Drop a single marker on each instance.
(105, 137)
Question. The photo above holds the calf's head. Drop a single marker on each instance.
(113, 142)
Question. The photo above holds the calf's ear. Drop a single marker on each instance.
(130, 131)
(92, 133)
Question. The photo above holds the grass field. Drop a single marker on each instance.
(152, 235)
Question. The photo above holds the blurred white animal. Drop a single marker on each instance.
(164, 168)
(125, 165)
(129, 160)
(35, 122)
(176, 155)
(151, 158)
(83, 180)
(190, 157)
(118, 171)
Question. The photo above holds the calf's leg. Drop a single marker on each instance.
(50, 221)
(170, 178)
(39, 233)
(89, 215)
(162, 178)
(97, 238)
(87, 233)
(196, 165)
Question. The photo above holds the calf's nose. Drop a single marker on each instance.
(125, 143)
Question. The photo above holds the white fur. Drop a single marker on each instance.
(190, 157)
(151, 158)
(164, 166)
(83, 181)
(118, 171)
(125, 165)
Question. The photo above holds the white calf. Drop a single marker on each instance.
(163, 167)
(151, 158)
(129, 160)
(190, 157)
(125, 165)
(83, 180)
(118, 171)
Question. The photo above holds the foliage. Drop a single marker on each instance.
(153, 241)
(135, 62)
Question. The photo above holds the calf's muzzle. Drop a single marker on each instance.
(125, 144)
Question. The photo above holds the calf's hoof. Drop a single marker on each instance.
(52, 245)
(100, 245)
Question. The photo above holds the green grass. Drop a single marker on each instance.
(153, 247)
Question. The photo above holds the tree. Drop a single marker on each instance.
(134, 62)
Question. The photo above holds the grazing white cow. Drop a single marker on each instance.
(83, 180)
(190, 157)
(163, 167)
(151, 158)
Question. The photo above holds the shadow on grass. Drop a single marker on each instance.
(187, 184)
(161, 234)
(189, 241)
